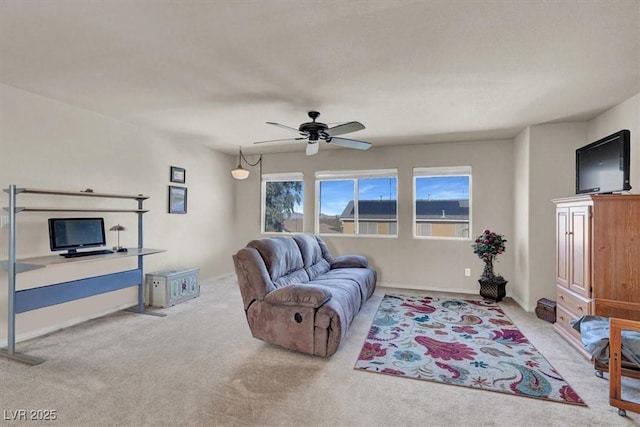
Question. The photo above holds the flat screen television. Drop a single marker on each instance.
(70, 234)
(603, 166)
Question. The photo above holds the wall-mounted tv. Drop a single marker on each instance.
(75, 233)
(603, 166)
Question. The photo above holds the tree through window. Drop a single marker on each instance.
(282, 203)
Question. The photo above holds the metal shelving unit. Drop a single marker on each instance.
(39, 297)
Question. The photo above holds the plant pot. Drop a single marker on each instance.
(493, 288)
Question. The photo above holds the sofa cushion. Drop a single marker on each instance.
(363, 278)
(343, 293)
(350, 261)
(318, 269)
(312, 255)
(283, 260)
(309, 248)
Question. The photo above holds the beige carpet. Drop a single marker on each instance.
(200, 367)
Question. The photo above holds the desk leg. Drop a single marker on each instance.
(24, 358)
(136, 309)
(140, 309)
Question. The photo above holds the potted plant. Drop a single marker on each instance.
(488, 246)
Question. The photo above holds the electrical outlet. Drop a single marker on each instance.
(467, 272)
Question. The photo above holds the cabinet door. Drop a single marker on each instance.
(616, 256)
(562, 247)
(579, 250)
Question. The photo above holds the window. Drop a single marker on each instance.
(441, 202)
(282, 201)
(357, 202)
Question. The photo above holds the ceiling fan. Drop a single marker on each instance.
(314, 132)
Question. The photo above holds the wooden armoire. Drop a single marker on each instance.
(597, 259)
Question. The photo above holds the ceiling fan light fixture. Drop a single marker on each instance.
(314, 132)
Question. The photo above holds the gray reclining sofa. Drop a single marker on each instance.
(296, 295)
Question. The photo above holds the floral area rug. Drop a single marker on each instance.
(469, 343)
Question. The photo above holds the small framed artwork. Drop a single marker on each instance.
(177, 200)
(178, 175)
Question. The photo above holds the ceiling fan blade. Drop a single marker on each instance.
(312, 148)
(278, 140)
(345, 128)
(284, 127)
(350, 143)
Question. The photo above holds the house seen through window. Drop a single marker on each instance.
(282, 203)
(357, 202)
(441, 202)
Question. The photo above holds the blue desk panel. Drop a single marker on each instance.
(45, 296)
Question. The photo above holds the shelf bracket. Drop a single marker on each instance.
(17, 209)
(21, 267)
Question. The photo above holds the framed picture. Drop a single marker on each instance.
(178, 175)
(177, 200)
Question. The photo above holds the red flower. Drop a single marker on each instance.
(502, 322)
(466, 329)
(570, 395)
(489, 245)
(392, 371)
(510, 336)
(371, 351)
(420, 307)
(446, 351)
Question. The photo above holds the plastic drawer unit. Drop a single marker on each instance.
(169, 287)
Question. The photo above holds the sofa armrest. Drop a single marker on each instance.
(350, 261)
(298, 295)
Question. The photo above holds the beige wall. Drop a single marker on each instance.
(551, 175)
(404, 261)
(48, 144)
(544, 157)
(520, 242)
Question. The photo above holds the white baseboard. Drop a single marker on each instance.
(427, 288)
(449, 290)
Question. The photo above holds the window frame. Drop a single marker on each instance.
(441, 171)
(355, 176)
(278, 177)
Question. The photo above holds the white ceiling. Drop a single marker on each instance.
(215, 71)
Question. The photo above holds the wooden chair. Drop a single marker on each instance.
(618, 367)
